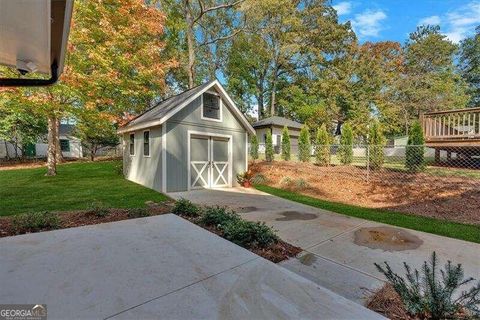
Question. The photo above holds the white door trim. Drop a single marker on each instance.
(209, 134)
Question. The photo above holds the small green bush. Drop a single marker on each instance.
(415, 152)
(345, 151)
(98, 208)
(249, 234)
(322, 147)
(301, 184)
(430, 294)
(218, 216)
(376, 142)
(184, 207)
(35, 221)
(285, 144)
(286, 181)
(138, 213)
(269, 147)
(304, 145)
(254, 147)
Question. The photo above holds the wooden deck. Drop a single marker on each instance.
(454, 128)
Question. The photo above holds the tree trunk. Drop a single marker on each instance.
(58, 149)
(190, 44)
(51, 154)
(92, 152)
(7, 155)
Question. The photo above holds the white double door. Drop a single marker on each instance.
(209, 162)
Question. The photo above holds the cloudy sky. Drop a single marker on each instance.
(377, 20)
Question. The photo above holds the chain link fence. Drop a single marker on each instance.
(402, 163)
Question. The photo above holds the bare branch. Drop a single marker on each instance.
(204, 10)
(231, 35)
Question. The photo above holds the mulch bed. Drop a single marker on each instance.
(449, 198)
(72, 219)
(387, 302)
(276, 252)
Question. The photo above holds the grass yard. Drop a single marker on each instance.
(425, 224)
(76, 187)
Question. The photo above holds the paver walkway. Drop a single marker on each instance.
(161, 267)
(339, 251)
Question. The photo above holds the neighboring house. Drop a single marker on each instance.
(70, 145)
(275, 125)
(197, 139)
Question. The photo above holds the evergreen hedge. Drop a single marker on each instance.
(254, 147)
(285, 144)
(345, 151)
(322, 147)
(304, 145)
(415, 152)
(269, 147)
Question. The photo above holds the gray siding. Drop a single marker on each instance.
(138, 168)
(177, 142)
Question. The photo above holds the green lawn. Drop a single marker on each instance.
(75, 187)
(430, 225)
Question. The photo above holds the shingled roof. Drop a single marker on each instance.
(277, 121)
(166, 108)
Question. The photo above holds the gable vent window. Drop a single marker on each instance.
(211, 106)
(132, 144)
(146, 143)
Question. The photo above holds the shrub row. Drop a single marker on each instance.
(230, 225)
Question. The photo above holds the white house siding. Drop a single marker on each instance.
(145, 170)
(41, 149)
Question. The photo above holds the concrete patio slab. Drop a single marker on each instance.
(334, 259)
(105, 270)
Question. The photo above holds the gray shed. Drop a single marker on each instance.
(275, 125)
(197, 139)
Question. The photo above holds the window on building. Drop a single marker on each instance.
(211, 106)
(146, 143)
(132, 144)
(64, 145)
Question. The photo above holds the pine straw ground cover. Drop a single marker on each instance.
(22, 224)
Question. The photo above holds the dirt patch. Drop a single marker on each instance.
(387, 302)
(308, 259)
(387, 239)
(73, 219)
(295, 215)
(450, 198)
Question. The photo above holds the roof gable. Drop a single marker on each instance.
(168, 107)
(277, 121)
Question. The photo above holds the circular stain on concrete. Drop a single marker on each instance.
(387, 239)
(246, 209)
(295, 215)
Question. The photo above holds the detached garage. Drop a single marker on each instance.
(197, 139)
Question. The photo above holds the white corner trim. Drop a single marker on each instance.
(246, 151)
(220, 102)
(164, 158)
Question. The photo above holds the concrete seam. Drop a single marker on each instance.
(337, 235)
(181, 288)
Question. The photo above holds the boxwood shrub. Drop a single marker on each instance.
(184, 207)
(218, 216)
(249, 234)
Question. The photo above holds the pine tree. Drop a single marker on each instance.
(345, 151)
(285, 144)
(304, 146)
(415, 152)
(269, 147)
(376, 143)
(322, 147)
(254, 147)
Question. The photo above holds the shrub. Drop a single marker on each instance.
(285, 144)
(98, 209)
(184, 207)
(254, 147)
(269, 147)
(304, 145)
(322, 147)
(376, 143)
(258, 178)
(35, 221)
(286, 181)
(249, 234)
(415, 152)
(345, 151)
(138, 213)
(301, 184)
(218, 216)
(428, 294)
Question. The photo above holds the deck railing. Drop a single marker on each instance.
(453, 125)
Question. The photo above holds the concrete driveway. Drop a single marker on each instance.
(339, 251)
(161, 267)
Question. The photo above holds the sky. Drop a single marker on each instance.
(380, 20)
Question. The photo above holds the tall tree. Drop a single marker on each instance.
(470, 66)
(196, 32)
